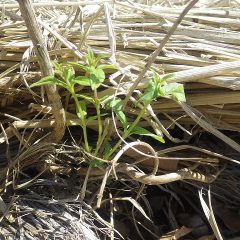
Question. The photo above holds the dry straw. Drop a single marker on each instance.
(202, 50)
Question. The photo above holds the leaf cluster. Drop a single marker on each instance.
(65, 74)
(159, 87)
(93, 77)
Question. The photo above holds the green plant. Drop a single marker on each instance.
(157, 87)
(93, 77)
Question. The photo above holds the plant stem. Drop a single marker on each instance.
(128, 131)
(97, 106)
(84, 125)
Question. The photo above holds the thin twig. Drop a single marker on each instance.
(88, 28)
(111, 34)
(40, 47)
(63, 40)
(55, 4)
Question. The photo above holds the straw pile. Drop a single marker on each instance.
(46, 219)
(207, 38)
(203, 52)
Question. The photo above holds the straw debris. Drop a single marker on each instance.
(49, 187)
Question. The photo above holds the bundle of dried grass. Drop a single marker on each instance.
(203, 56)
(33, 217)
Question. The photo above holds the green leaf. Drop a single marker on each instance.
(176, 90)
(83, 106)
(150, 92)
(167, 76)
(82, 80)
(96, 163)
(122, 118)
(68, 73)
(91, 60)
(79, 65)
(90, 57)
(156, 77)
(144, 132)
(97, 60)
(84, 110)
(87, 98)
(97, 77)
(49, 80)
(57, 67)
(92, 118)
(179, 97)
(107, 149)
(116, 105)
(107, 66)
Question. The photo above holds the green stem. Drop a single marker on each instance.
(97, 106)
(82, 119)
(128, 131)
